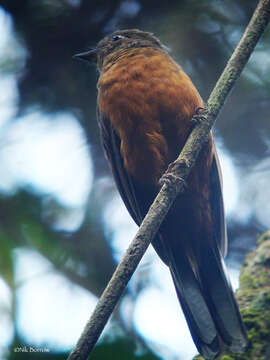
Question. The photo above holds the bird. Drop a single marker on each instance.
(145, 105)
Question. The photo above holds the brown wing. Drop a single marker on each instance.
(217, 206)
(137, 199)
(111, 144)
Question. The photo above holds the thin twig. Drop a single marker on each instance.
(172, 187)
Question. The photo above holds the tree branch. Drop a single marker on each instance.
(176, 178)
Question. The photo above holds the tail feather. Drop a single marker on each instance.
(194, 306)
(222, 304)
(207, 300)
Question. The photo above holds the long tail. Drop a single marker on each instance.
(221, 301)
(198, 317)
(208, 302)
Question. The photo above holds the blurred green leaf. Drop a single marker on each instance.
(121, 349)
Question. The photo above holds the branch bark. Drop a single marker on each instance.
(170, 189)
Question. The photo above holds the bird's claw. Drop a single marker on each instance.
(198, 117)
(169, 179)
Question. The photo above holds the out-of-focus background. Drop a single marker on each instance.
(63, 227)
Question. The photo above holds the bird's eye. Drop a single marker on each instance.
(117, 37)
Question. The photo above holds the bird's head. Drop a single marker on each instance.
(117, 44)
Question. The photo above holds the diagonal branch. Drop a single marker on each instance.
(176, 178)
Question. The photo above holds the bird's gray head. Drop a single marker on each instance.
(118, 43)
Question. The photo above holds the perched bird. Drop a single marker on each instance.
(145, 106)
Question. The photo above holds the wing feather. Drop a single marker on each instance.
(217, 205)
(112, 145)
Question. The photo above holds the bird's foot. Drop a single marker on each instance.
(198, 117)
(170, 178)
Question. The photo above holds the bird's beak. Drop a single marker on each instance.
(90, 56)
